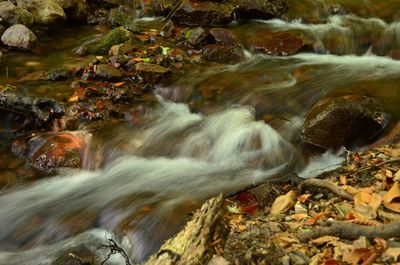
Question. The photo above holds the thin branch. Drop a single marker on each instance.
(114, 249)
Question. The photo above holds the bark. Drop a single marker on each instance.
(192, 245)
(41, 109)
(351, 231)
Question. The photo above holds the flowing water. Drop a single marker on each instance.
(206, 136)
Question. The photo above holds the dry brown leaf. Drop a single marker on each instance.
(367, 203)
(393, 252)
(303, 198)
(397, 176)
(390, 197)
(324, 239)
(283, 203)
(299, 216)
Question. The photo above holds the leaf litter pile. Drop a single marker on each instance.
(347, 216)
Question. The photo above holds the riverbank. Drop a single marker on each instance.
(346, 216)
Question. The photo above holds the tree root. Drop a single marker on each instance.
(192, 246)
(351, 231)
(326, 184)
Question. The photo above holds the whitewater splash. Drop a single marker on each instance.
(171, 166)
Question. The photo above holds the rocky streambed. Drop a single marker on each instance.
(125, 116)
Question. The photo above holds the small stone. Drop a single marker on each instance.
(222, 53)
(151, 72)
(108, 72)
(19, 36)
(196, 36)
(222, 36)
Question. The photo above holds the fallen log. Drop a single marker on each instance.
(192, 246)
(42, 109)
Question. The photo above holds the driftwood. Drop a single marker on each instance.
(326, 184)
(42, 109)
(346, 230)
(192, 246)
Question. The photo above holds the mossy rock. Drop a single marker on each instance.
(122, 17)
(114, 37)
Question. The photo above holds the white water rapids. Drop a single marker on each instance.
(154, 175)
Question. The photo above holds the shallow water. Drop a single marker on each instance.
(207, 134)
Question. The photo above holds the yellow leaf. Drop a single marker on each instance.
(389, 199)
(283, 203)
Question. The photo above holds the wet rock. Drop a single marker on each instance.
(151, 72)
(108, 72)
(76, 10)
(204, 13)
(114, 37)
(1, 56)
(45, 12)
(112, 3)
(121, 49)
(222, 36)
(53, 75)
(11, 15)
(51, 152)
(163, 7)
(195, 36)
(168, 29)
(19, 36)
(260, 9)
(344, 121)
(222, 53)
(122, 16)
(277, 43)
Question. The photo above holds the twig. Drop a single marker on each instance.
(329, 185)
(114, 249)
(351, 231)
(172, 12)
(376, 165)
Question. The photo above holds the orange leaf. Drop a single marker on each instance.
(389, 199)
(316, 217)
(119, 84)
(303, 198)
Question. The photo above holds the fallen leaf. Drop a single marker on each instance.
(389, 199)
(299, 216)
(303, 198)
(316, 217)
(283, 203)
(393, 252)
(119, 84)
(324, 239)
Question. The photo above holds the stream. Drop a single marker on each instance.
(205, 135)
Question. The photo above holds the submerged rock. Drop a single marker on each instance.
(114, 37)
(51, 152)
(259, 9)
(11, 14)
(45, 12)
(204, 13)
(222, 53)
(19, 36)
(151, 72)
(344, 121)
(277, 43)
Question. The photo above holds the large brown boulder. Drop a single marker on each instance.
(205, 13)
(46, 12)
(259, 9)
(344, 121)
(278, 43)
